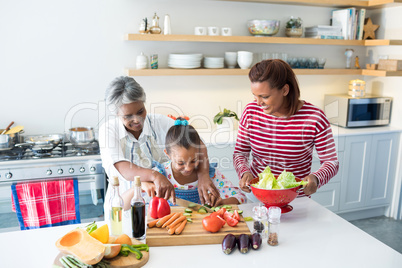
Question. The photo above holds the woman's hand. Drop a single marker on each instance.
(163, 187)
(207, 189)
(312, 185)
(244, 183)
(214, 201)
(149, 188)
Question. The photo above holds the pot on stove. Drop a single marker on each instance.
(41, 143)
(81, 136)
(7, 141)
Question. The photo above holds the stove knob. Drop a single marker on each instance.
(49, 172)
(82, 169)
(71, 170)
(60, 171)
(9, 175)
(92, 169)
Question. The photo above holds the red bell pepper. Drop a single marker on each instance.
(158, 207)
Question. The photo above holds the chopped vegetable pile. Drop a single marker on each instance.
(284, 181)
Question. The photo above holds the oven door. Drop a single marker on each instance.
(91, 194)
(369, 112)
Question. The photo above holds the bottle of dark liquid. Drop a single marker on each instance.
(138, 211)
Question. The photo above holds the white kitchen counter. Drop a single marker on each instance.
(310, 236)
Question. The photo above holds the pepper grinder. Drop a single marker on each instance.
(260, 220)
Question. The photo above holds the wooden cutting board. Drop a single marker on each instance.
(193, 233)
(119, 261)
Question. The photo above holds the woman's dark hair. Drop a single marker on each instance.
(277, 73)
(182, 135)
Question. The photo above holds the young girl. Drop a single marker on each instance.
(182, 146)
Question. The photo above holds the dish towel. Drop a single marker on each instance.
(46, 203)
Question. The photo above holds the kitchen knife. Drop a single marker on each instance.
(193, 206)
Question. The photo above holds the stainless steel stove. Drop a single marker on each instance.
(21, 164)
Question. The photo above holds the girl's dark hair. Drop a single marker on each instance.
(277, 73)
(183, 136)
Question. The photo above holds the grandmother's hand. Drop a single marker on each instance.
(312, 184)
(163, 187)
(244, 182)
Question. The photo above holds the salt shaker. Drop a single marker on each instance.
(166, 25)
(260, 220)
(274, 219)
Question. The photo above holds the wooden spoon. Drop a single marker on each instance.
(7, 128)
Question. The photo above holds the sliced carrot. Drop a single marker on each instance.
(175, 216)
(181, 227)
(179, 219)
(162, 220)
(152, 223)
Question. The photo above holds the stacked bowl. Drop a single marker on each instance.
(244, 59)
(184, 61)
(213, 62)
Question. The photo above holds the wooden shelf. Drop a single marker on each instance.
(202, 71)
(329, 3)
(254, 39)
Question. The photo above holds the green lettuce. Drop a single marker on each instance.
(285, 180)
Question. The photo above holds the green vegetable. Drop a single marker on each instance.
(141, 247)
(128, 248)
(191, 205)
(208, 206)
(187, 214)
(240, 211)
(188, 210)
(189, 220)
(202, 210)
(285, 180)
(248, 218)
(218, 118)
(227, 206)
(91, 227)
(217, 208)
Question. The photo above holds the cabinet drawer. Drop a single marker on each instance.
(328, 196)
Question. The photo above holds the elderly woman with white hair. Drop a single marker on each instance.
(132, 142)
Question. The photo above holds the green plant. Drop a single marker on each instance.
(218, 118)
(294, 23)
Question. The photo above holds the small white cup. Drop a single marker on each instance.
(244, 59)
(226, 31)
(213, 30)
(231, 59)
(200, 30)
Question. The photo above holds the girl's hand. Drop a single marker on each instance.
(312, 185)
(163, 187)
(214, 202)
(149, 188)
(244, 183)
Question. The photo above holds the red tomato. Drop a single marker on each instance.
(158, 208)
(227, 215)
(231, 221)
(221, 212)
(236, 215)
(212, 224)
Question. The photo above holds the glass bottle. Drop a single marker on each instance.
(138, 211)
(274, 219)
(116, 209)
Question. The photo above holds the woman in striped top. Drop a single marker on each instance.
(281, 131)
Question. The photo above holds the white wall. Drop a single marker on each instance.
(59, 56)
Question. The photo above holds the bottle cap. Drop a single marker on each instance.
(137, 181)
(115, 181)
(274, 213)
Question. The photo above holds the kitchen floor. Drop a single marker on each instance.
(387, 230)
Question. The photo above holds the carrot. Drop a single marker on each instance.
(175, 216)
(162, 220)
(152, 223)
(179, 219)
(181, 227)
(172, 229)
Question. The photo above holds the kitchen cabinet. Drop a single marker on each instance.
(368, 171)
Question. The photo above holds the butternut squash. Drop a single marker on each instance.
(83, 246)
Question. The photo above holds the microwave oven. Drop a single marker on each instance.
(348, 111)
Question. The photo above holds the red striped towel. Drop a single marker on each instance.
(46, 203)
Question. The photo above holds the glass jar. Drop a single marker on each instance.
(274, 219)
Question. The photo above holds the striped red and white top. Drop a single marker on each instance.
(285, 143)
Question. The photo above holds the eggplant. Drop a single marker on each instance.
(228, 243)
(256, 241)
(244, 243)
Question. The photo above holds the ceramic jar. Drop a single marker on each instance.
(141, 61)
